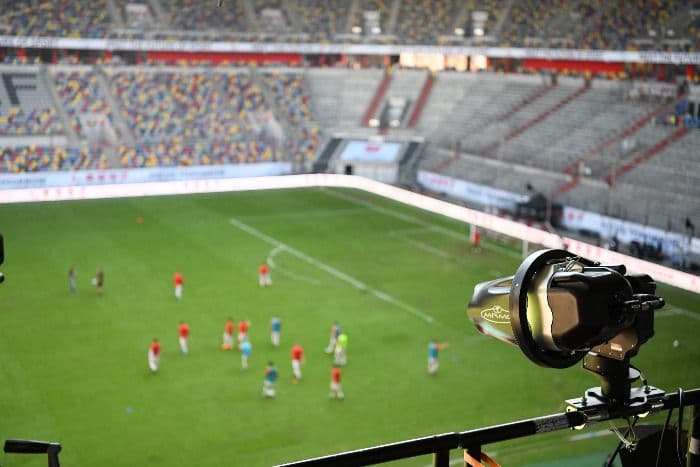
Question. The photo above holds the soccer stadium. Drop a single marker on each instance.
(265, 232)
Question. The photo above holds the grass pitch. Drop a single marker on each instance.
(73, 369)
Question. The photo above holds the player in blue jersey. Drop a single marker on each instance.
(335, 332)
(246, 350)
(275, 328)
(434, 349)
(269, 381)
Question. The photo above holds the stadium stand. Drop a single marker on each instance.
(46, 158)
(588, 24)
(598, 133)
(626, 25)
(17, 121)
(161, 105)
(376, 27)
(189, 15)
(340, 97)
(26, 107)
(629, 160)
(477, 103)
(289, 95)
(188, 154)
(60, 18)
(81, 94)
(263, 116)
(322, 20)
(415, 26)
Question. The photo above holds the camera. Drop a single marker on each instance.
(559, 309)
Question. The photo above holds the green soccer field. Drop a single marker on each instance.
(73, 368)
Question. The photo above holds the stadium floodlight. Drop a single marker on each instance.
(560, 308)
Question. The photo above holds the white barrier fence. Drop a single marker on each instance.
(514, 229)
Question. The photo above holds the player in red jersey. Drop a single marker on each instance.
(178, 282)
(184, 331)
(154, 355)
(476, 240)
(243, 326)
(228, 335)
(297, 360)
(336, 389)
(264, 278)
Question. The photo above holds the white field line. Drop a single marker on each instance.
(417, 221)
(670, 310)
(405, 235)
(424, 246)
(334, 272)
(307, 213)
(285, 272)
(409, 231)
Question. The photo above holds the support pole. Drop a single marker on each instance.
(694, 438)
(441, 458)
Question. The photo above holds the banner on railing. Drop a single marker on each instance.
(471, 192)
(145, 175)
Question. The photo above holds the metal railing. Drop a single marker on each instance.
(472, 441)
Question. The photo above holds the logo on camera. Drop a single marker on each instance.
(496, 314)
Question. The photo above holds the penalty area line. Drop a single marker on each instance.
(284, 272)
(332, 271)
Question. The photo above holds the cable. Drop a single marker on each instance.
(661, 440)
(679, 429)
(628, 444)
(612, 457)
(641, 375)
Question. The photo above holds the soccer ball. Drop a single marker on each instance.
(94, 281)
